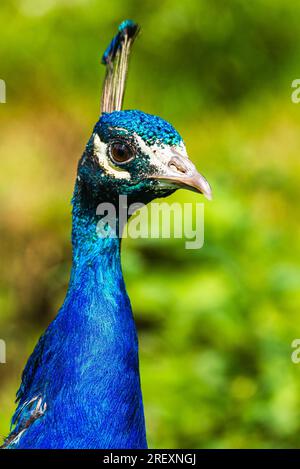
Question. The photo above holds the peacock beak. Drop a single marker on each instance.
(182, 173)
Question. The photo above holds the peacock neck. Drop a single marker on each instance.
(96, 322)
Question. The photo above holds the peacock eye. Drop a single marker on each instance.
(121, 152)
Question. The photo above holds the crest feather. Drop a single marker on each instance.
(116, 58)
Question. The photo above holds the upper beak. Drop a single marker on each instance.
(181, 172)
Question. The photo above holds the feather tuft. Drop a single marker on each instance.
(116, 58)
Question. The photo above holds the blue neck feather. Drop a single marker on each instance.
(85, 366)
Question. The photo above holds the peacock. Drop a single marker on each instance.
(81, 386)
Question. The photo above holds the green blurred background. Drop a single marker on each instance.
(215, 324)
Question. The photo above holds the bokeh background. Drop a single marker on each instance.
(215, 324)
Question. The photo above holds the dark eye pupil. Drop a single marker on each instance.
(121, 152)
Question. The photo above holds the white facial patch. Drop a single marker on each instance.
(160, 155)
(100, 151)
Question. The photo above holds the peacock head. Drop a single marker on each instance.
(130, 152)
(138, 155)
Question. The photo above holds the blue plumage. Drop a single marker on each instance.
(152, 129)
(81, 385)
(85, 366)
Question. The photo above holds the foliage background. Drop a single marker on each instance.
(215, 325)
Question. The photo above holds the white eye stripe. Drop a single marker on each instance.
(100, 151)
(160, 155)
